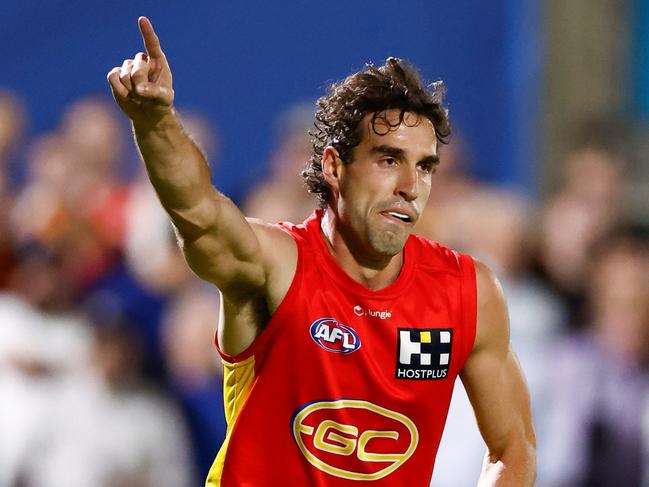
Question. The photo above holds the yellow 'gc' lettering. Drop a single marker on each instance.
(328, 437)
(345, 446)
(366, 456)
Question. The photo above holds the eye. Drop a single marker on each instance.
(389, 161)
(428, 167)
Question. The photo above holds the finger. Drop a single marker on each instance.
(140, 69)
(113, 77)
(150, 38)
(125, 74)
(155, 68)
(120, 92)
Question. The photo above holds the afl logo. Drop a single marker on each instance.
(354, 439)
(334, 336)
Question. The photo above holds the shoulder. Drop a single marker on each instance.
(268, 233)
(279, 247)
(490, 292)
(492, 325)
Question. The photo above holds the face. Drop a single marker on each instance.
(380, 194)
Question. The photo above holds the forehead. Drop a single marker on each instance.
(407, 131)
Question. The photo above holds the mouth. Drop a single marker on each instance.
(398, 217)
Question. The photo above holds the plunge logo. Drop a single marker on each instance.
(372, 313)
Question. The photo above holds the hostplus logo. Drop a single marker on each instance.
(423, 353)
(360, 311)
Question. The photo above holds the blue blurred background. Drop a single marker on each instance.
(242, 63)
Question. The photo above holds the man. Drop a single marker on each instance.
(341, 337)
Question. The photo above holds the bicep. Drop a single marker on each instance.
(498, 393)
(492, 375)
(227, 251)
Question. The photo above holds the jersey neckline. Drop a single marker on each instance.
(333, 268)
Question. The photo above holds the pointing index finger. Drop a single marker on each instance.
(151, 41)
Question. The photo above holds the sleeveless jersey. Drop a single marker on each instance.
(347, 386)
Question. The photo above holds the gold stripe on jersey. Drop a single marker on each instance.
(237, 381)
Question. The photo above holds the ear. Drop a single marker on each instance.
(332, 166)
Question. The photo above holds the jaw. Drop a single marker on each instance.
(370, 244)
(372, 238)
(386, 236)
(387, 242)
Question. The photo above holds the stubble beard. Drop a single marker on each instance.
(385, 241)
(378, 239)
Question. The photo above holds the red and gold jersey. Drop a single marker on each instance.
(346, 385)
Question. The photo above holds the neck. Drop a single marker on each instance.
(374, 272)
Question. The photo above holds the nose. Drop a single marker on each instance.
(408, 185)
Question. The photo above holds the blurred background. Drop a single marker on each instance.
(108, 373)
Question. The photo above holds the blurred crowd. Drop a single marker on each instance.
(108, 371)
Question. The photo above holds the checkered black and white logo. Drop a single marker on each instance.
(423, 353)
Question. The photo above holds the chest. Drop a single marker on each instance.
(403, 344)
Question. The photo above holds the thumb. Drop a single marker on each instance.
(155, 93)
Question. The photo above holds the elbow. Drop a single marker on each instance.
(521, 441)
(514, 464)
(523, 456)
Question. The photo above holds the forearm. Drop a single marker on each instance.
(179, 173)
(516, 468)
(218, 242)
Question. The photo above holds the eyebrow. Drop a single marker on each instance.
(400, 153)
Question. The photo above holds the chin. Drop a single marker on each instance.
(388, 243)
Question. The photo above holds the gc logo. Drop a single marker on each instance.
(354, 439)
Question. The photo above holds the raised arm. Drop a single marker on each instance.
(498, 392)
(220, 245)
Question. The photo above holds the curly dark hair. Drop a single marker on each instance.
(395, 85)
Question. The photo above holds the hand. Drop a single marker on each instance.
(142, 86)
